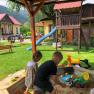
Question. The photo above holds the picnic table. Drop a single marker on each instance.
(5, 47)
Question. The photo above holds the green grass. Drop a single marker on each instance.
(12, 62)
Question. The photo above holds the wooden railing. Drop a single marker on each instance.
(68, 20)
(88, 11)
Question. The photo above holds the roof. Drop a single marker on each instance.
(67, 5)
(43, 22)
(2, 16)
(14, 21)
(45, 19)
(36, 2)
(39, 24)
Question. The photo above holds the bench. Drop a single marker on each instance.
(3, 47)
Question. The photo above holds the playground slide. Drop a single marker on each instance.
(44, 37)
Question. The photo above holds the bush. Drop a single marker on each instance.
(92, 41)
(91, 51)
(49, 40)
(28, 33)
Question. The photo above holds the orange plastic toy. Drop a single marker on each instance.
(72, 61)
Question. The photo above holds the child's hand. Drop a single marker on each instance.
(27, 92)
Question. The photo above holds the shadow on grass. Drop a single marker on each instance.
(3, 53)
(75, 48)
(20, 45)
(16, 46)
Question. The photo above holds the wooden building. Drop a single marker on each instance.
(8, 25)
(46, 23)
(75, 21)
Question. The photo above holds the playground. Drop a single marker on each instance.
(71, 35)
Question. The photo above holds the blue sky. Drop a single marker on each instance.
(3, 2)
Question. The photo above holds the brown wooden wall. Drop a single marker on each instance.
(69, 36)
(88, 10)
(72, 18)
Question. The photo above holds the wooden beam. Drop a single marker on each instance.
(89, 32)
(79, 40)
(38, 7)
(56, 40)
(28, 7)
(87, 18)
(80, 30)
(32, 24)
(68, 27)
(32, 28)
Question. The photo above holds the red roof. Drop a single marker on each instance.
(2, 16)
(67, 5)
(14, 21)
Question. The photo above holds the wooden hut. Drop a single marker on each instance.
(75, 21)
(46, 23)
(8, 25)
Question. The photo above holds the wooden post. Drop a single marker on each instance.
(80, 29)
(56, 40)
(32, 29)
(56, 12)
(61, 38)
(79, 40)
(89, 31)
(32, 13)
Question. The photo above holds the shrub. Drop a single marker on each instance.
(49, 40)
(28, 34)
(92, 41)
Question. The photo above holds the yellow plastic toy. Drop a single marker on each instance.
(85, 75)
(72, 61)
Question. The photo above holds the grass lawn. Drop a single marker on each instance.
(12, 62)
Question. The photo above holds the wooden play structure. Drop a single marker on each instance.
(75, 21)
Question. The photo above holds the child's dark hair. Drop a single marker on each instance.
(37, 56)
(57, 53)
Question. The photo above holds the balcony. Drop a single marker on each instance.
(68, 21)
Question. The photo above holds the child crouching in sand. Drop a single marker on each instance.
(31, 70)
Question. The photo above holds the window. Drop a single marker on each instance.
(17, 31)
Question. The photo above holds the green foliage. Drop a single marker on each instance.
(48, 10)
(40, 30)
(91, 51)
(49, 40)
(92, 41)
(25, 28)
(13, 6)
(39, 16)
(28, 34)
